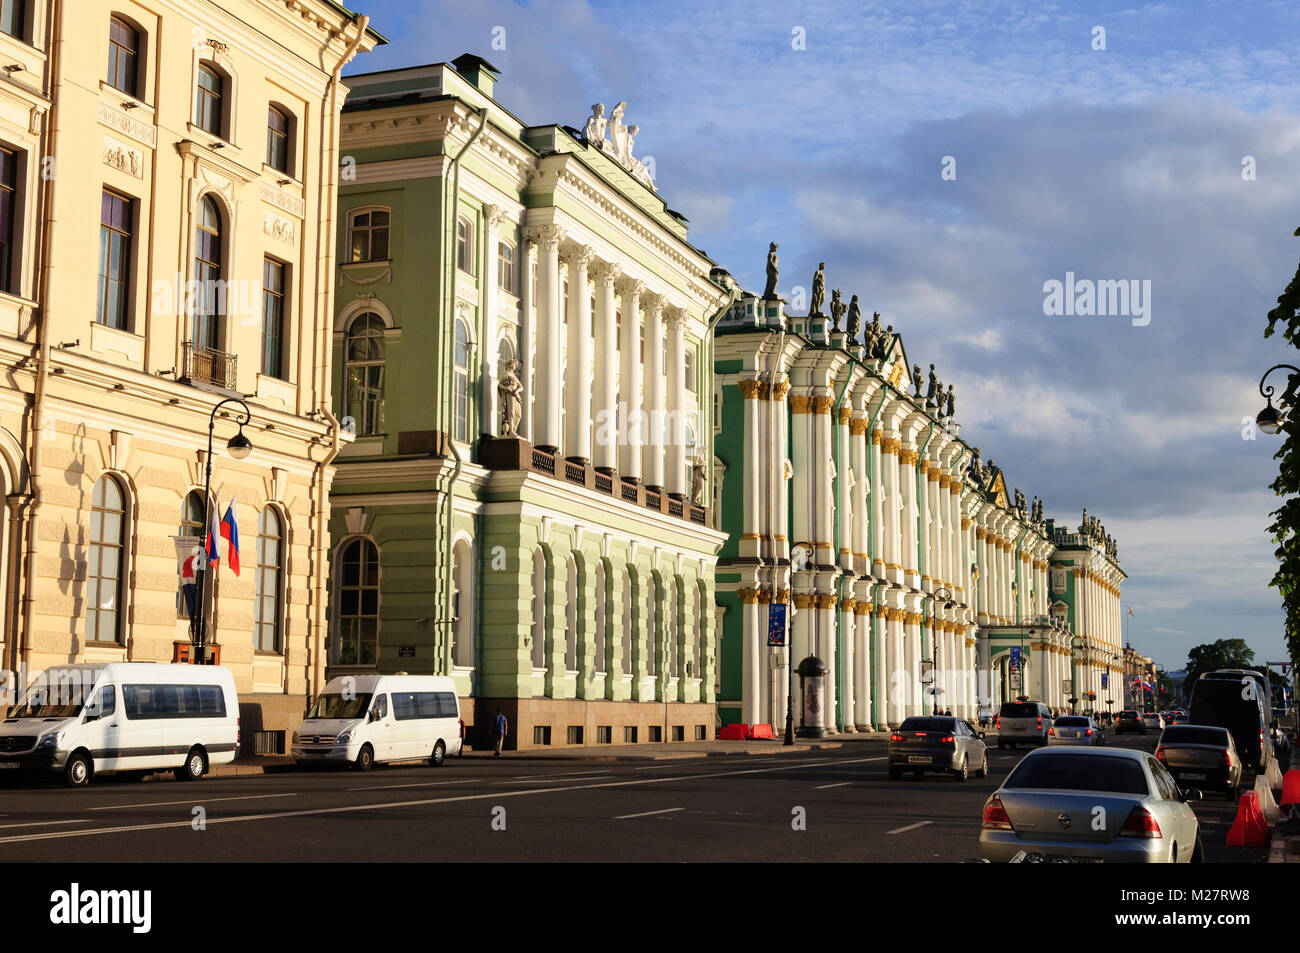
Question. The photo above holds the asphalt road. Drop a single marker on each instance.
(733, 808)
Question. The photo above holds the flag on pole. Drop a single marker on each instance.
(230, 532)
(187, 581)
(214, 532)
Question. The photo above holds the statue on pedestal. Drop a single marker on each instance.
(769, 292)
(838, 307)
(916, 379)
(952, 404)
(855, 317)
(697, 481)
(510, 394)
(819, 295)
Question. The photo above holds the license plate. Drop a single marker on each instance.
(919, 759)
(8, 764)
(1069, 734)
(1193, 775)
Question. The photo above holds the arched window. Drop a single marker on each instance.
(465, 245)
(358, 614)
(539, 609)
(278, 151)
(105, 557)
(270, 575)
(505, 354)
(462, 646)
(192, 523)
(598, 636)
(460, 409)
(210, 105)
(210, 301)
(571, 615)
(506, 267)
(123, 57)
(368, 235)
(363, 373)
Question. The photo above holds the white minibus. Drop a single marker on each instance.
(364, 719)
(133, 717)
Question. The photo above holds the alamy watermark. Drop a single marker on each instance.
(1109, 297)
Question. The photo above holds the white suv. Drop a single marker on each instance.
(1027, 722)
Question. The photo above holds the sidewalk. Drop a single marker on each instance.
(681, 750)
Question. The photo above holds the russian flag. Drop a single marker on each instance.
(230, 532)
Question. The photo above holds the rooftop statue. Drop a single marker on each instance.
(838, 307)
(773, 263)
(916, 379)
(855, 317)
(819, 295)
(934, 386)
(952, 403)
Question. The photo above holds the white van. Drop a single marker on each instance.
(363, 719)
(134, 717)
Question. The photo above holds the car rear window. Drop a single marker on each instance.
(1079, 773)
(1128, 714)
(926, 724)
(1194, 735)
(1071, 721)
(1019, 710)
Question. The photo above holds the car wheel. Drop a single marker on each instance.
(195, 766)
(895, 774)
(365, 758)
(439, 755)
(961, 773)
(983, 772)
(1198, 852)
(78, 770)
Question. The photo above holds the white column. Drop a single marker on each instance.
(630, 377)
(577, 390)
(547, 372)
(848, 663)
(877, 529)
(753, 660)
(858, 544)
(527, 330)
(653, 454)
(675, 480)
(489, 419)
(862, 661)
(605, 450)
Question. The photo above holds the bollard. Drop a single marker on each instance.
(1264, 793)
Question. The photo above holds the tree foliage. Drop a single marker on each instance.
(1224, 653)
(1286, 518)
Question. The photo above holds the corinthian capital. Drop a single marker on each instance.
(674, 317)
(577, 255)
(548, 237)
(630, 286)
(605, 272)
(495, 215)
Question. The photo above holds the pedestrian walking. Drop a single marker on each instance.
(499, 729)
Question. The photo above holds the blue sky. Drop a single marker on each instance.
(1122, 163)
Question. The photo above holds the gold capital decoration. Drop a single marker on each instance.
(965, 522)
(980, 532)
(891, 445)
(845, 414)
(823, 404)
(848, 605)
(970, 643)
(799, 403)
(925, 467)
(764, 596)
(780, 390)
(748, 597)
(934, 475)
(1076, 573)
(825, 600)
(764, 389)
(881, 611)
(862, 608)
(749, 389)
(876, 437)
(857, 426)
(955, 487)
(945, 481)
(803, 600)
(781, 596)
(908, 456)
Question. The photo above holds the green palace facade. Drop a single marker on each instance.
(520, 344)
(860, 522)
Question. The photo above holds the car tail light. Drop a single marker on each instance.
(947, 738)
(1088, 732)
(919, 734)
(995, 816)
(1160, 754)
(238, 734)
(1040, 721)
(1051, 732)
(1227, 759)
(895, 737)
(997, 722)
(1140, 823)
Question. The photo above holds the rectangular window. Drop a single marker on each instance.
(541, 734)
(8, 206)
(465, 246)
(277, 140)
(701, 733)
(629, 735)
(575, 734)
(656, 733)
(143, 702)
(123, 48)
(12, 19)
(604, 734)
(273, 296)
(209, 110)
(369, 236)
(506, 267)
(115, 218)
(679, 732)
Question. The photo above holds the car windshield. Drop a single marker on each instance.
(927, 724)
(1071, 721)
(1019, 710)
(56, 693)
(336, 705)
(1195, 735)
(1082, 772)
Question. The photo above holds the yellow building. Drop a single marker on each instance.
(168, 172)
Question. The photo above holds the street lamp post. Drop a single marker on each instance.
(1269, 419)
(239, 447)
(934, 643)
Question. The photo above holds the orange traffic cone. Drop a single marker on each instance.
(1249, 829)
(1291, 787)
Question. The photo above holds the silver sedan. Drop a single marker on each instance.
(1090, 804)
(1075, 730)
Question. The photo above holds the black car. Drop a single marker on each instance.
(1129, 720)
(937, 743)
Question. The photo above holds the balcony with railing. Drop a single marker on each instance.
(207, 365)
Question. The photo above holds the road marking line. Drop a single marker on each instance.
(589, 777)
(529, 777)
(424, 802)
(44, 823)
(840, 784)
(667, 810)
(909, 827)
(416, 784)
(193, 800)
